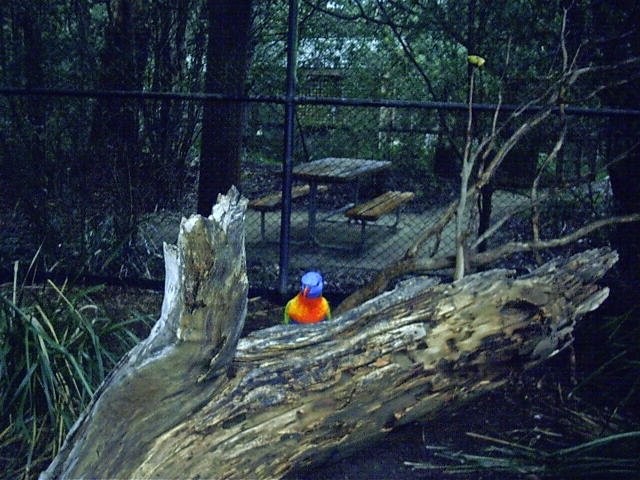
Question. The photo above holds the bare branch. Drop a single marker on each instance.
(510, 143)
(607, 86)
(572, 76)
(422, 266)
(506, 216)
(496, 113)
(435, 229)
(535, 217)
(467, 166)
(490, 155)
(563, 40)
(517, 247)
(623, 155)
(488, 173)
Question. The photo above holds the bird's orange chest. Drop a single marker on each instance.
(308, 310)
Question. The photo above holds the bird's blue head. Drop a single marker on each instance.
(311, 285)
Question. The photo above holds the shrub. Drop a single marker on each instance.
(56, 346)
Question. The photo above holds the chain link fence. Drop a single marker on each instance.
(91, 201)
(78, 215)
(571, 190)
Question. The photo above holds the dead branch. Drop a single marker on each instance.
(468, 162)
(422, 266)
(507, 215)
(435, 230)
(510, 248)
(550, 98)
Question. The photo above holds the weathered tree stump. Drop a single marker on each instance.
(193, 402)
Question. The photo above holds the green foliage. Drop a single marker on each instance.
(64, 161)
(57, 345)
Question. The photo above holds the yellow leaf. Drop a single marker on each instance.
(476, 60)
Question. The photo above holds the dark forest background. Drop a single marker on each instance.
(112, 111)
(78, 172)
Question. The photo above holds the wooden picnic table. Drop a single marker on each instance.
(334, 170)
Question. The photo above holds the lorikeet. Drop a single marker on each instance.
(308, 306)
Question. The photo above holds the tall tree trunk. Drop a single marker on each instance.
(192, 402)
(615, 19)
(625, 184)
(115, 165)
(33, 170)
(227, 61)
(164, 121)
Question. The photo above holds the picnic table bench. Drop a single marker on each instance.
(334, 170)
(375, 208)
(273, 202)
(317, 174)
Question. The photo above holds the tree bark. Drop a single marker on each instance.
(114, 163)
(614, 18)
(227, 63)
(193, 402)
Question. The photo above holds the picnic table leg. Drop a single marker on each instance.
(262, 226)
(313, 190)
(356, 199)
(395, 224)
(363, 224)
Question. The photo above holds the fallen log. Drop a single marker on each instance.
(194, 401)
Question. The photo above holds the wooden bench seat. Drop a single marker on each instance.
(375, 208)
(273, 202)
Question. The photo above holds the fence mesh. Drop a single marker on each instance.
(81, 216)
(571, 190)
(96, 185)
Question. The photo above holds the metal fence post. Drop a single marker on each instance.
(287, 161)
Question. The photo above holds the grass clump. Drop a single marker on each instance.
(607, 457)
(56, 347)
